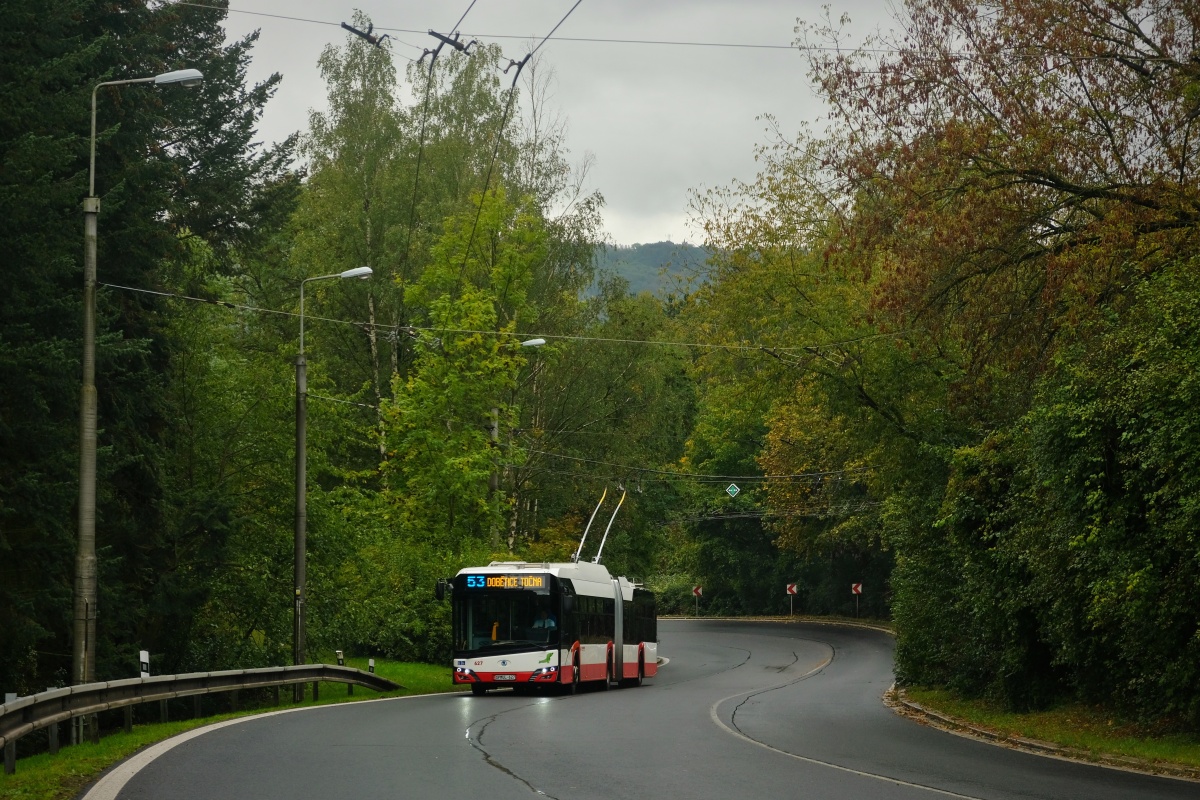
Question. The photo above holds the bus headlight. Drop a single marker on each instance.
(544, 674)
(464, 675)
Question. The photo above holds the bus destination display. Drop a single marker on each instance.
(506, 581)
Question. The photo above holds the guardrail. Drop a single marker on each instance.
(28, 714)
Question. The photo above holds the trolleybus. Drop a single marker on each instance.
(523, 625)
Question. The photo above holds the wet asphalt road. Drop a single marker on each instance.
(759, 710)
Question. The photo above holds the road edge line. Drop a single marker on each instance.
(895, 699)
(715, 717)
(113, 780)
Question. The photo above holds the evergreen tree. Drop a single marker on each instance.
(170, 165)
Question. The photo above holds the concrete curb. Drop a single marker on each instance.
(797, 619)
(895, 699)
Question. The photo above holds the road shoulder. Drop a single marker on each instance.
(895, 699)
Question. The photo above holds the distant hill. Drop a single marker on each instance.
(644, 265)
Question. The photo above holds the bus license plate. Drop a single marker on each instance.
(506, 677)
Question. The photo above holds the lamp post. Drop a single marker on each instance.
(83, 656)
(494, 427)
(302, 473)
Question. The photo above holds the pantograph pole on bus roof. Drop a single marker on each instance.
(579, 552)
(596, 560)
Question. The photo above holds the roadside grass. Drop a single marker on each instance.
(1092, 730)
(63, 776)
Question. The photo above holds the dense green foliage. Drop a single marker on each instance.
(175, 169)
(947, 349)
(435, 441)
(978, 295)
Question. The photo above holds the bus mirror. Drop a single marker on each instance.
(440, 588)
(568, 604)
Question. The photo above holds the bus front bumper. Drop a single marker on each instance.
(541, 675)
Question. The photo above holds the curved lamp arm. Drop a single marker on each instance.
(184, 77)
(358, 272)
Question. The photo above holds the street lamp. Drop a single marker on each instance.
(83, 656)
(494, 427)
(302, 470)
(494, 435)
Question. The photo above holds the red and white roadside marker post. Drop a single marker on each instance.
(856, 590)
(792, 590)
(696, 592)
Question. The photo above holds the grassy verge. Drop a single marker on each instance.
(1092, 732)
(63, 776)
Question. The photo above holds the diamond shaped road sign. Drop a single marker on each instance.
(733, 490)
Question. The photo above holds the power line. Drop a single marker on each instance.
(512, 93)
(666, 475)
(691, 475)
(580, 39)
(297, 19)
(556, 27)
(464, 16)
(815, 511)
(758, 348)
(412, 220)
(747, 348)
(343, 402)
(647, 42)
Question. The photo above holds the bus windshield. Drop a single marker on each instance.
(489, 621)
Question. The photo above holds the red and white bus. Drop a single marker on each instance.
(523, 625)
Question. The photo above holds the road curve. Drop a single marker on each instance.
(744, 709)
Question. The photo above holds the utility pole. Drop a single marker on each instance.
(494, 478)
(83, 646)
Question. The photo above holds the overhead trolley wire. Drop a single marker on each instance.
(746, 347)
(692, 475)
(464, 16)
(556, 27)
(412, 221)
(298, 19)
(512, 93)
(581, 39)
(606, 40)
(650, 472)
(814, 511)
(516, 334)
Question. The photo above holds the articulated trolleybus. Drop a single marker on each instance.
(524, 625)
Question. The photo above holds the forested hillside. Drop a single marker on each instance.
(947, 349)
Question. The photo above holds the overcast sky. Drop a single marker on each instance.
(660, 120)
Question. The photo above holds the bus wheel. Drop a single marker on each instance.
(608, 677)
(477, 689)
(631, 682)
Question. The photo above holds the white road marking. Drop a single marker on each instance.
(712, 712)
(109, 786)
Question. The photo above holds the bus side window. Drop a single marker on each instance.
(590, 633)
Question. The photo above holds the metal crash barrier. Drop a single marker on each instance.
(27, 714)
